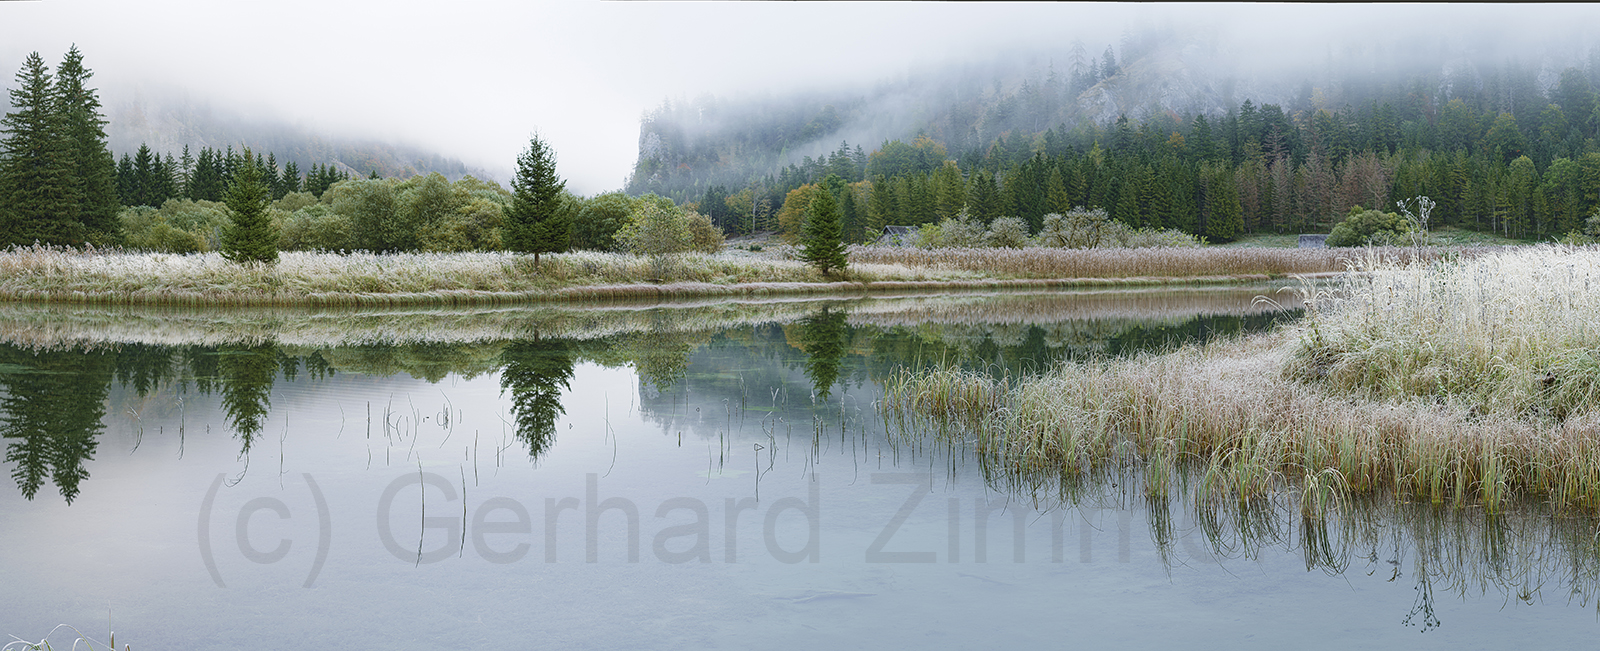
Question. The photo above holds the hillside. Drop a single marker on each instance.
(168, 122)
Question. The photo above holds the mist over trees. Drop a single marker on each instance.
(1159, 132)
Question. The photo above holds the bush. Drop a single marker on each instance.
(704, 236)
(1089, 229)
(179, 226)
(599, 220)
(1363, 226)
(1007, 232)
(294, 201)
(958, 232)
(316, 228)
(146, 229)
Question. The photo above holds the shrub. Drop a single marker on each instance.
(704, 236)
(959, 232)
(179, 226)
(146, 229)
(1007, 232)
(316, 228)
(1362, 226)
(294, 201)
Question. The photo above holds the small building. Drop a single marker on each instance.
(1313, 241)
(898, 236)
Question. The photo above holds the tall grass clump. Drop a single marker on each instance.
(1515, 333)
(1448, 381)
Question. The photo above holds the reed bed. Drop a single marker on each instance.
(1306, 408)
(1042, 262)
(52, 274)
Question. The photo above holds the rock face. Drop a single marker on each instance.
(1182, 79)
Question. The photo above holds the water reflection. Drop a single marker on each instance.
(56, 372)
(805, 369)
(823, 337)
(535, 372)
(51, 412)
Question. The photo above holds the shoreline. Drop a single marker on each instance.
(42, 275)
(620, 292)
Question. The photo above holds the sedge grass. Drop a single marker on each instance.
(1451, 381)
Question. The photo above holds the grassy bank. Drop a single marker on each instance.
(1461, 381)
(362, 279)
(52, 326)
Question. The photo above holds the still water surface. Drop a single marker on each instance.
(673, 476)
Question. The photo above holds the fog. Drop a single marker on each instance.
(475, 80)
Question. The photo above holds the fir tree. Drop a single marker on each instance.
(145, 165)
(537, 224)
(290, 178)
(36, 172)
(824, 244)
(93, 166)
(252, 237)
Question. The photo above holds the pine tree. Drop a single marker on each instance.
(824, 243)
(36, 179)
(536, 222)
(93, 166)
(252, 237)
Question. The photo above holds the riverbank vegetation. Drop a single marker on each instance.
(1452, 381)
(317, 278)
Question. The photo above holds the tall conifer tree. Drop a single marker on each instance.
(537, 223)
(93, 166)
(36, 179)
(824, 232)
(251, 237)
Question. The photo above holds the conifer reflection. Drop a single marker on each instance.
(50, 415)
(536, 371)
(824, 338)
(246, 375)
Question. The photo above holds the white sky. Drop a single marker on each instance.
(473, 80)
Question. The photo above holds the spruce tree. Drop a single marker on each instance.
(93, 166)
(252, 237)
(145, 164)
(36, 179)
(290, 178)
(824, 244)
(536, 222)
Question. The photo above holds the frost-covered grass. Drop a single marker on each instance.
(1451, 381)
(310, 278)
(1160, 262)
(304, 278)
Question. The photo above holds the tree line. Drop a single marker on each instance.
(1504, 153)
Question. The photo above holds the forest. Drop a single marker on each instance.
(1499, 146)
(1503, 146)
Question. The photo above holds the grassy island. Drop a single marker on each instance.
(1453, 380)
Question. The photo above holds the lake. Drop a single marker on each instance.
(678, 475)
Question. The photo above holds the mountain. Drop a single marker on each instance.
(1165, 76)
(169, 121)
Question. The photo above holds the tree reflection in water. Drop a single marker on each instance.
(52, 408)
(536, 371)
